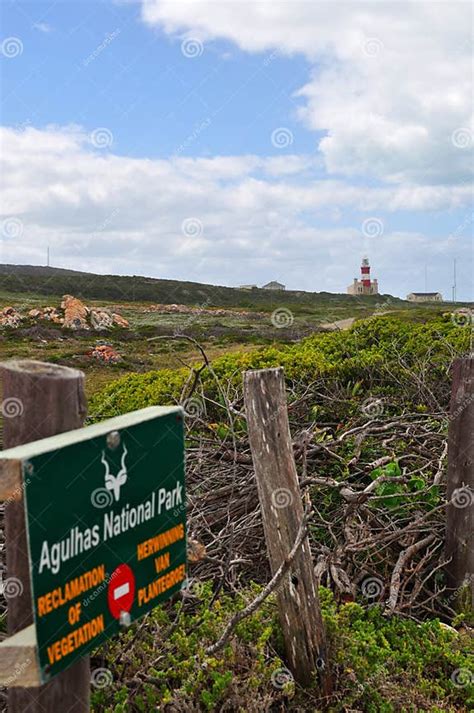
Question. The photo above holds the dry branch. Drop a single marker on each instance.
(272, 586)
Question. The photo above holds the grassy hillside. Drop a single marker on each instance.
(56, 281)
(25, 287)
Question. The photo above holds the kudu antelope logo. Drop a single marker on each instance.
(113, 482)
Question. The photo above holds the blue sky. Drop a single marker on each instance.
(142, 86)
(279, 132)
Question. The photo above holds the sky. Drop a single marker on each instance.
(240, 141)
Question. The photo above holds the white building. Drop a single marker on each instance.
(425, 297)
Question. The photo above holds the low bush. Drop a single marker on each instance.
(379, 664)
(381, 354)
(369, 404)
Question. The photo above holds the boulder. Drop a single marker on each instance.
(106, 353)
(101, 319)
(56, 317)
(119, 320)
(75, 313)
(51, 314)
(35, 314)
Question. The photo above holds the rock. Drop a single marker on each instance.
(106, 353)
(56, 317)
(49, 313)
(10, 320)
(75, 313)
(35, 314)
(101, 319)
(52, 314)
(119, 320)
(10, 317)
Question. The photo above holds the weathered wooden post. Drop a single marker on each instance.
(39, 400)
(282, 513)
(460, 484)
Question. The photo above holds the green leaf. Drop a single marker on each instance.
(393, 469)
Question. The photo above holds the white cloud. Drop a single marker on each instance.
(42, 27)
(261, 217)
(391, 80)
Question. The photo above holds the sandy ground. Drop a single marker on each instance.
(339, 324)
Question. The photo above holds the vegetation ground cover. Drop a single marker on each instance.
(369, 414)
(368, 410)
(379, 664)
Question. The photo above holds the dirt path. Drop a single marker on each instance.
(339, 324)
(347, 323)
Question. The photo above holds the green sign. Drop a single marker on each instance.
(106, 521)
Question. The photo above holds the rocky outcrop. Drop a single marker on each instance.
(75, 313)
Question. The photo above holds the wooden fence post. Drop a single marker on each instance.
(460, 484)
(282, 513)
(39, 400)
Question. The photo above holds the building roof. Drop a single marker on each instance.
(424, 294)
(274, 283)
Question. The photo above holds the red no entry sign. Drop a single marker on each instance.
(121, 590)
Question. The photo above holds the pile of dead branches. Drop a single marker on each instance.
(370, 541)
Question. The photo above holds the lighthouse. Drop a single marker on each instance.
(365, 285)
(365, 272)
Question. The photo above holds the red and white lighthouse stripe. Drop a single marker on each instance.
(365, 272)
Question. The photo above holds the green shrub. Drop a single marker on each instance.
(378, 354)
(378, 664)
